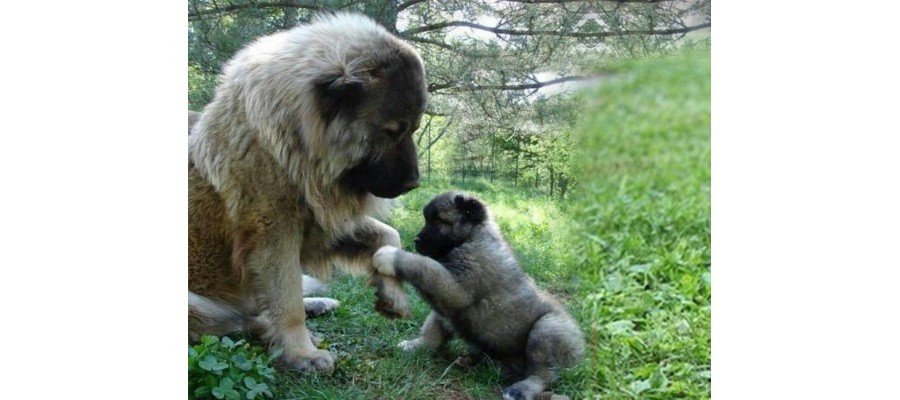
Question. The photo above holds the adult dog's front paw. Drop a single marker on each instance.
(314, 361)
(383, 260)
(390, 297)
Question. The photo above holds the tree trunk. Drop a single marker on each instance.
(516, 178)
(493, 146)
(552, 181)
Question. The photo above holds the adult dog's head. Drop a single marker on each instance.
(451, 219)
(337, 101)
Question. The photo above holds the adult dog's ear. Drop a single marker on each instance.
(337, 93)
(471, 209)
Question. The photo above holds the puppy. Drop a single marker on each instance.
(470, 277)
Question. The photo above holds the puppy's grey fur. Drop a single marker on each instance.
(470, 276)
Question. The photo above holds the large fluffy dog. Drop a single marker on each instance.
(309, 129)
(477, 291)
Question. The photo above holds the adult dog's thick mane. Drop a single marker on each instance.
(277, 84)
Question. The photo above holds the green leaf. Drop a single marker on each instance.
(240, 360)
(265, 371)
(227, 342)
(639, 386)
(615, 282)
(639, 268)
(202, 391)
(211, 363)
(209, 340)
(192, 353)
(259, 389)
(226, 383)
(226, 390)
(620, 327)
(658, 380)
(249, 382)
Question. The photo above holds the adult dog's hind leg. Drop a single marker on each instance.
(316, 306)
(211, 317)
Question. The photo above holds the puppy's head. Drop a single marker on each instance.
(451, 219)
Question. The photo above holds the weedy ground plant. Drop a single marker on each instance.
(228, 369)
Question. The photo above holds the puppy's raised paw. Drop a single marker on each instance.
(383, 260)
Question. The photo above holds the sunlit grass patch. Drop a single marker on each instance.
(644, 244)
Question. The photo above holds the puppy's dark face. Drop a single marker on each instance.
(381, 108)
(450, 220)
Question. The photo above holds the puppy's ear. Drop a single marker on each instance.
(336, 93)
(471, 209)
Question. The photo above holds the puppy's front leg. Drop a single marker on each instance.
(278, 278)
(426, 274)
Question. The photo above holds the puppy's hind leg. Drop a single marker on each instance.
(211, 317)
(434, 335)
(555, 341)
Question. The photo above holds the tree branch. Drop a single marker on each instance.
(524, 86)
(408, 4)
(433, 42)
(514, 32)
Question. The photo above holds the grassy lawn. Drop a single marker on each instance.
(634, 269)
(645, 246)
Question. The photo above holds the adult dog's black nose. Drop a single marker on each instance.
(410, 184)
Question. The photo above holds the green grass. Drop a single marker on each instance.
(645, 238)
(633, 268)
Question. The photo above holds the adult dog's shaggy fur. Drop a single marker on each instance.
(309, 129)
(477, 290)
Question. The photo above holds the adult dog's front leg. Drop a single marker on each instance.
(357, 251)
(278, 284)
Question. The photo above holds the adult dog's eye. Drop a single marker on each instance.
(396, 128)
